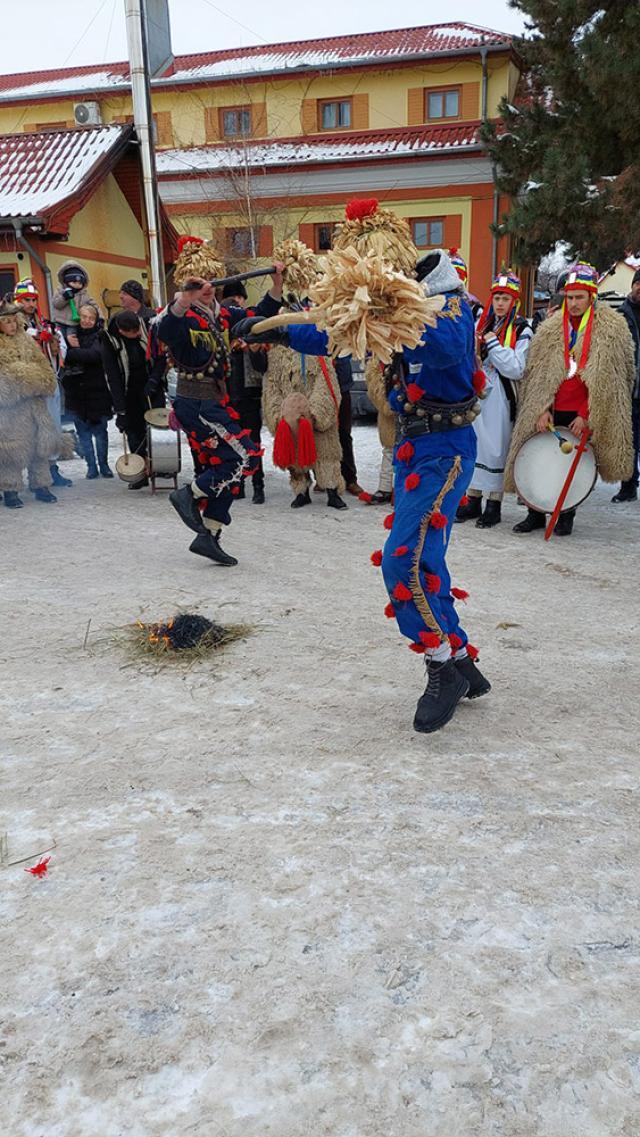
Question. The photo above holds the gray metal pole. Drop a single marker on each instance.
(142, 117)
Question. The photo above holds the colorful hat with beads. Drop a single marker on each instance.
(459, 264)
(25, 290)
(507, 281)
(582, 277)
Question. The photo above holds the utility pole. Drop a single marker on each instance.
(142, 117)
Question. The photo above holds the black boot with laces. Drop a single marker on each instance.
(446, 686)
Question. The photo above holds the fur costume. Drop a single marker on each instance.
(28, 436)
(287, 374)
(609, 374)
(377, 391)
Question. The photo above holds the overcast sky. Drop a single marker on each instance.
(63, 33)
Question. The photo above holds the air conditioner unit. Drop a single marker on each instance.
(87, 114)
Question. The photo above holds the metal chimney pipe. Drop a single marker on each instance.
(142, 117)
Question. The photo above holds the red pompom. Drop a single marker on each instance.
(306, 445)
(459, 593)
(418, 648)
(438, 520)
(414, 393)
(479, 381)
(464, 500)
(182, 241)
(405, 452)
(390, 612)
(455, 641)
(235, 416)
(360, 207)
(284, 451)
(366, 497)
(401, 592)
(376, 558)
(41, 868)
(235, 490)
(453, 252)
(400, 551)
(224, 401)
(472, 652)
(433, 582)
(412, 481)
(213, 461)
(388, 521)
(430, 639)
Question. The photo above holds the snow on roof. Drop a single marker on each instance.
(318, 148)
(40, 171)
(354, 50)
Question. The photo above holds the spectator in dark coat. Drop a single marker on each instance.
(136, 382)
(631, 311)
(86, 393)
(132, 300)
(248, 365)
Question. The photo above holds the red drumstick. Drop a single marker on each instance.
(580, 449)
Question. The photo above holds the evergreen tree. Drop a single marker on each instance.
(568, 152)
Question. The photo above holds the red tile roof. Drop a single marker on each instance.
(314, 54)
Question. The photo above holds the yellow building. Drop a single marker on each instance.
(263, 142)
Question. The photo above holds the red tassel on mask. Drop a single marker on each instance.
(412, 481)
(376, 558)
(400, 551)
(472, 652)
(401, 592)
(414, 393)
(479, 381)
(438, 520)
(182, 241)
(306, 444)
(460, 594)
(360, 207)
(390, 612)
(388, 521)
(405, 452)
(430, 639)
(284, 451)
(433, 582)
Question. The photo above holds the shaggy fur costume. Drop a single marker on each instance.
(377, 391)
(609, 375)
(284, 377)
(28, 436)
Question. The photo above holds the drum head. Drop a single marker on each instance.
(131, 467)
(540, 471)
(158, 417)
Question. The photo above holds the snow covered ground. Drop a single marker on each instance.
(272, 909)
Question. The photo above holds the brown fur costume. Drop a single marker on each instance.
(609, 375)
(28, 436)
(284, 377)
(377, 391)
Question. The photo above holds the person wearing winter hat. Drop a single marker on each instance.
(434, 397)
(503, 338)
(580, 374)
(631, 311)
(132, 300)
(460, 265)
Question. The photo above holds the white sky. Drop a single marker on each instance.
(64, 33)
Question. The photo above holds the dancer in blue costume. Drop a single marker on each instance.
(434, 394)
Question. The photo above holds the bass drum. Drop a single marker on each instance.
(163, 450)
(540, 471)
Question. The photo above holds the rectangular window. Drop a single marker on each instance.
(239, 243)
(235, 122)
(334, 115)
(428, 232)
(442, 104)
(323, 234)
(7, 281)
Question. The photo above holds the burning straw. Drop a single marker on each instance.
(186, 637)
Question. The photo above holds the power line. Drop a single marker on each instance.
(87, 29)
(227, 16)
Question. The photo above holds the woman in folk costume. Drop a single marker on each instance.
(503, 339)
(28, 434)
(198, 344)
(580, 375)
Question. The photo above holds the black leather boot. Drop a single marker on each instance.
(491, 516)
(44, 494)
(627, 492)
(533, 520)
(469, 511)
(12, 500)
(301, 500)
(445, 687)
(564, 524)
(478, 685)
(57, 478)
(184, 504)
(335, 501)
(206, 544)
(258, 495)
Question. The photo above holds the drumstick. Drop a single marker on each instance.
(580, 449)
(126, 452)
(565, 445)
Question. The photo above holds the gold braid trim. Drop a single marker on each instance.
(420, 597)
